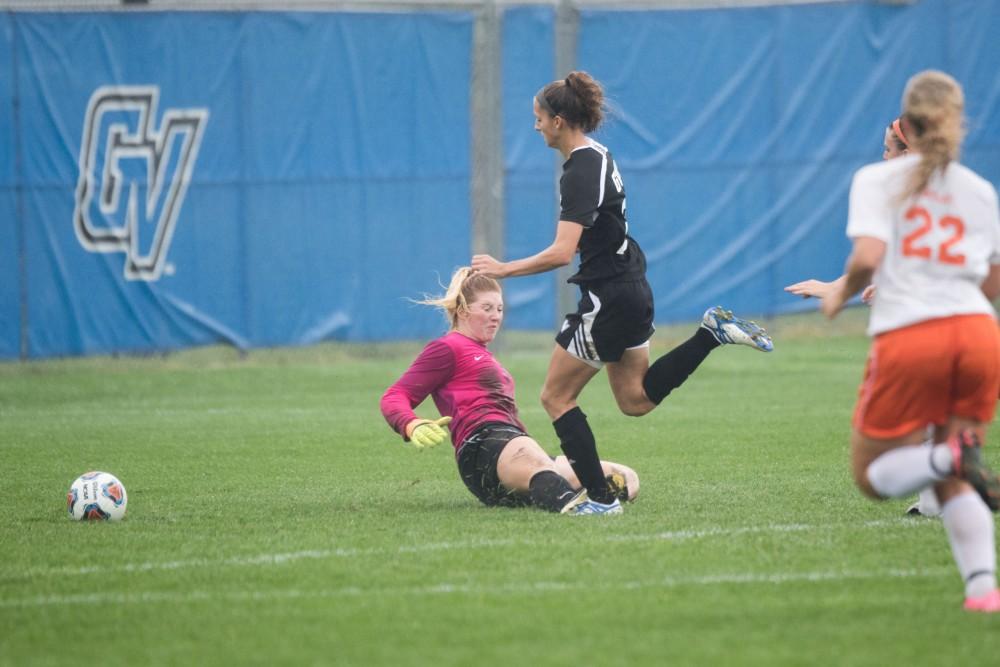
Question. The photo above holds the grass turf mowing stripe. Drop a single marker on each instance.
(444, 588)
(322, 554)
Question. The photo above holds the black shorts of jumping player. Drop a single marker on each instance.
(477, 464)
(611, 317)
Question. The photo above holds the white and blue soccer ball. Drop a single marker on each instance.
(96, 496)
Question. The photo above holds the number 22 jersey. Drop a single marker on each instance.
(939, 244)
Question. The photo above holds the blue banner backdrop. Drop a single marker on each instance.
(530, 195)
(10, 278)
(170, 179)
(737, 131)
(256, 178)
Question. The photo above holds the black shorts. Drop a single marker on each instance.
(477, 464)
(610, 318)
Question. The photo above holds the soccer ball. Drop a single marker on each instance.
(96, 496)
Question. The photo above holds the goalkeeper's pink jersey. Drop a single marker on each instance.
(465, 381)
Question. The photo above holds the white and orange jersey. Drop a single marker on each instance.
(939, 245)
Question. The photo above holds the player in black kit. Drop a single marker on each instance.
(614, 320)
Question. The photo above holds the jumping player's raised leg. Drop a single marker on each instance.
(639, 387)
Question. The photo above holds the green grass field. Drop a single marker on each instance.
(275, 519)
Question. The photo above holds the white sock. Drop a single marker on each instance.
(928, 503)
(970, 531)
(905, 470)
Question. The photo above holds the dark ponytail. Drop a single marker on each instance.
(578, 99)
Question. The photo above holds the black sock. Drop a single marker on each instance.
(550, 491)
(578, 444)
(672, 369)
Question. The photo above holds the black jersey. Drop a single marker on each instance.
(592, 194)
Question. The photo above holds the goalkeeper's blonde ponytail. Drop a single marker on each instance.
(464, 289)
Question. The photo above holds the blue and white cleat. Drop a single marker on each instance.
(589, 506)
(574, 502)
(582, 504)
(731, 330)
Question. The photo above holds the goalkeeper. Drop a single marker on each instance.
(498, 461)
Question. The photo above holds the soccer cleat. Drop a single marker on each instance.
(618, 486)
(967, 457)
(732, 330)
(574, 502)
(919, 508)
(594, 507)
(989, 603)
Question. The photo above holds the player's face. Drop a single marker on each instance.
(482, 321)
(545, 124)
(890, 148)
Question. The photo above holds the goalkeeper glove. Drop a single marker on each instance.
(424, 433)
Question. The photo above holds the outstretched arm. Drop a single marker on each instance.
(820, 289)
(429, 371)
(816, 288)
(865, 258)
(559, 253)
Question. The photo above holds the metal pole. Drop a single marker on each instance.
(567, 30)
(19, 187)
(488, 225)
(487, 134)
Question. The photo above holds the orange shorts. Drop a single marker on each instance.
(927, 372)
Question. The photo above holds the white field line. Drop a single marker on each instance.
(256, 560)
(444, 588)
(261, 560)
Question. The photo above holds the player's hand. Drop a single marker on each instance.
(808, 288)
(868, 294)
(425, 433)
(487, 266)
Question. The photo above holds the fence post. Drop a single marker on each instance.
(567, 31)
(22, 242)
(487, 134)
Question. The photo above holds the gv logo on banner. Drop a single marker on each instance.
(138, 173)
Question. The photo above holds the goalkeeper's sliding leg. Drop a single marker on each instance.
(622, 480)
(502, 465)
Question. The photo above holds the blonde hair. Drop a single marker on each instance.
(933, 103)
(463, 290)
